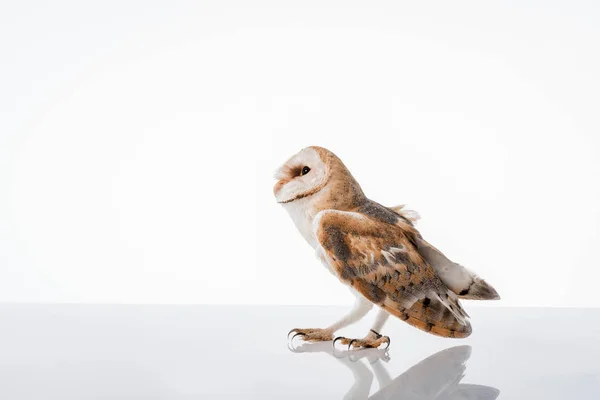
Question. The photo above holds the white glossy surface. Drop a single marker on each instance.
(228, 352)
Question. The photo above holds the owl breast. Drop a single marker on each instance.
(301, 214)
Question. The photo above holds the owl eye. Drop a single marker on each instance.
(305, 170)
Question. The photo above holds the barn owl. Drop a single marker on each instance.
(376, 251)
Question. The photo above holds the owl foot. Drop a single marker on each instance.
(372, 340)
(311, 335)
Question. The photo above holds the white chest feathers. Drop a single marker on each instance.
(303, 219)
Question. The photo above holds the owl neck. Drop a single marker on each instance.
(341, 193)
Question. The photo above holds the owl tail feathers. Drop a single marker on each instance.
(479, 289)
(466, 284)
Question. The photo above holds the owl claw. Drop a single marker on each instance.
(298, 334)
(336, 339)
(350, 345)
(366, 343)
(389, 341)
(292, 331)
(311, 335)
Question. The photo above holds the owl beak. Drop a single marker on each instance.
(278, 187)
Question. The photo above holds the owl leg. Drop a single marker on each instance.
(373, 338)
(360, 309)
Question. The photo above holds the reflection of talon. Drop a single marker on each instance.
(385, 357)
(306, 347)
(312, 335)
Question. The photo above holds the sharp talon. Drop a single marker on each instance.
(335, 340)
(298, 334)
(290, 332)
(389, 341)
(350, 345)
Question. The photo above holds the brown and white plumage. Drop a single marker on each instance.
(380, 259)
(375, 250)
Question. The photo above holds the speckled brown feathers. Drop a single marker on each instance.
(375, 252)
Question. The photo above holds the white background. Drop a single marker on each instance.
(138, 142)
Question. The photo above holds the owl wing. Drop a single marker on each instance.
(381, 261)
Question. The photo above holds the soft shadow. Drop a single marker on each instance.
(436, 377)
